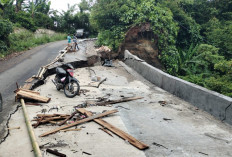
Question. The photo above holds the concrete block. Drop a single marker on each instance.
(228, 118)
(202, 98)
(212, 102)
(169, 83)
(154, 77)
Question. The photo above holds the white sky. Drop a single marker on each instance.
(63, 4)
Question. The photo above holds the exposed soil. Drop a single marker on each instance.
(142, 42)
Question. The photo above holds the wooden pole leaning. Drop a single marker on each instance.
(34, 143)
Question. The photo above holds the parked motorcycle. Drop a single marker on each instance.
(64, 80)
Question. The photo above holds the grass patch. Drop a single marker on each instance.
(25, 40)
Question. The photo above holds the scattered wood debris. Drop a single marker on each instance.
(106, 131)
(55, 152)
(166, 119)
(52, 115)
(203, 153)
(38, 122)
(13, 128)
(52, 145)
(24, 93)
(63, 122)
(116, 131)
(86, 153)
(83, 91)
(104, 103)
(159, 145)
(71, 130)
(33, 104)
(79, 122)
(122, 107)
(101, 82)
(162, 103)
(46, 118)
(43, 69)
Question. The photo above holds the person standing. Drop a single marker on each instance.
(69, 40)
(75, 43)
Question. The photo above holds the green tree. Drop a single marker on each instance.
(113, 18)
(189, 30)
(220, 35)
(18, 5)
(25, 20)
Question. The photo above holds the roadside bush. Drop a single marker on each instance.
(113, 37)
(25, 39)
(6, 28)
(20, 41)
(219, 84)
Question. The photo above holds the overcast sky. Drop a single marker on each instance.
(63, 4)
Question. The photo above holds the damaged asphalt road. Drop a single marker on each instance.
(167, 124)
(19, 69)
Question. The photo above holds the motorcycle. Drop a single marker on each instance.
(64, 80)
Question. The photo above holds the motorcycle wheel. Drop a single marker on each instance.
(56, 80)
(71, 89)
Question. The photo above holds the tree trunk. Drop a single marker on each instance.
(18, 5)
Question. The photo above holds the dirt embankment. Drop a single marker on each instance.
(142, 42)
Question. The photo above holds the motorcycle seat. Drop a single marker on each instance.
(60, 71)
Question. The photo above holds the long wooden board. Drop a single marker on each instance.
(33, 96)
(117, 101)
(27, 90)
(79, 122)
(117, 131)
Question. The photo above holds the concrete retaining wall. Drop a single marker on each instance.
(212, 102)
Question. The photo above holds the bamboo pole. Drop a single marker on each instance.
(30, 131)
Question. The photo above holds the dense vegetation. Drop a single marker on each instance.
(194, 36)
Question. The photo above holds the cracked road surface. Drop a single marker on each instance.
(20, 68)
(169, 125)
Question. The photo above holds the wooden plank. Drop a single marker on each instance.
(31, 91)
(117, 131)
(42, 72)
(61, 123)
(40, 69)
(52, 115)
(33, 96)
(79, 122)
(56, 59)
(33, 104)
(117, 101)
(49, 119)
(38, 122)
(106, 131)
(55, 152)
(71, 130)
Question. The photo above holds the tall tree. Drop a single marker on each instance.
(18, 5)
